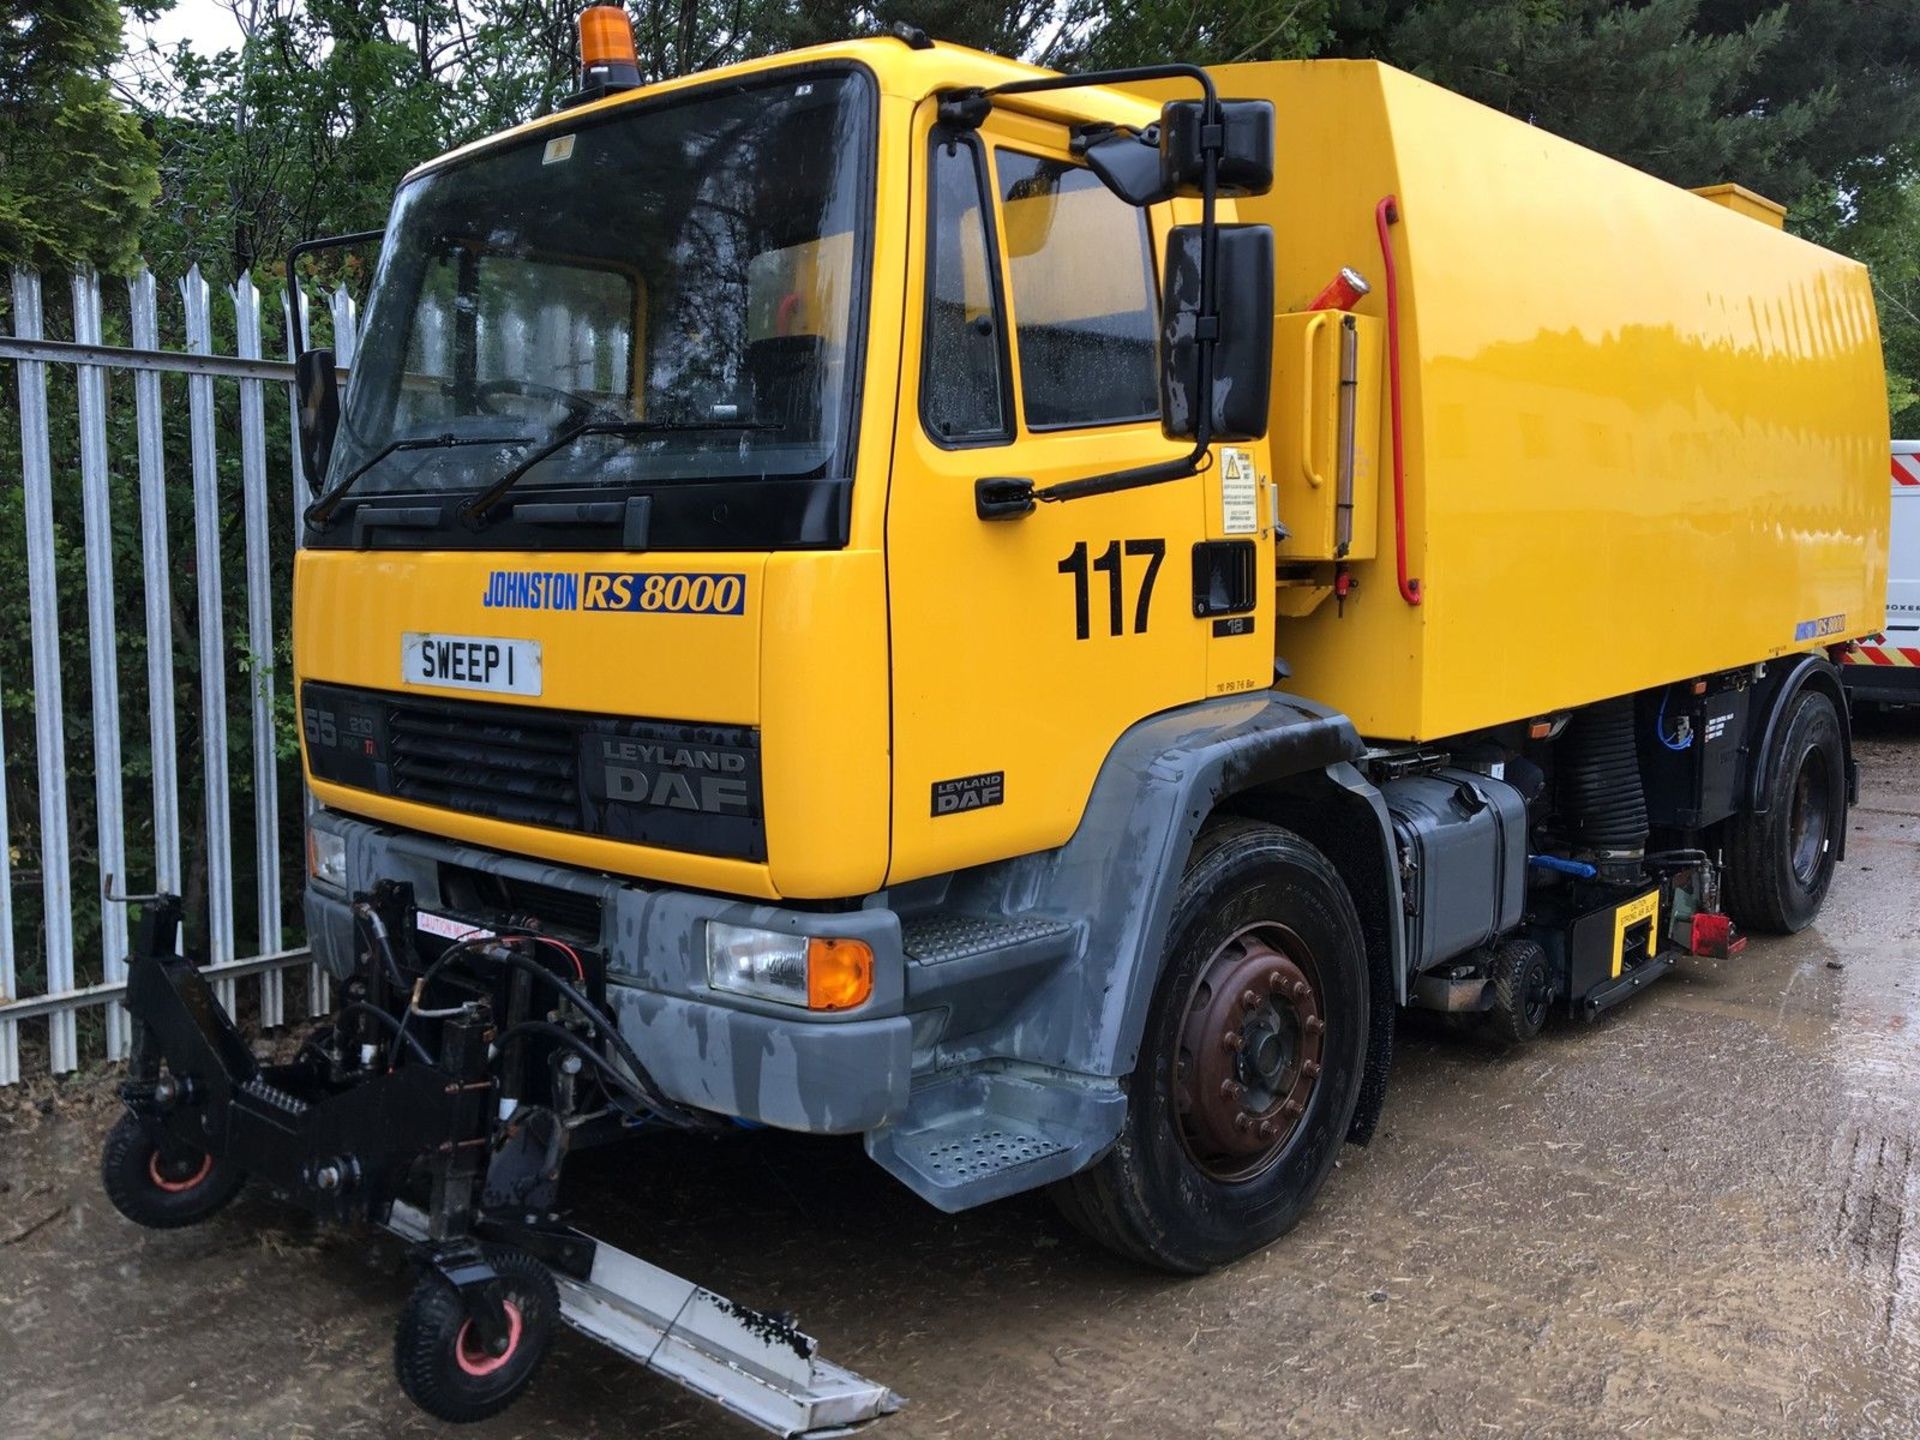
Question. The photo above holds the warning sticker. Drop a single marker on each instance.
(1239, 494)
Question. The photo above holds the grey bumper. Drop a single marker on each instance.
(769, 1064)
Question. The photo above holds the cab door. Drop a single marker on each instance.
(1023, 648)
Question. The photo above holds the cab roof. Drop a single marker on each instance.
(900, 71)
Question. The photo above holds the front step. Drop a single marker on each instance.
(759, 1366)
(984, 1136)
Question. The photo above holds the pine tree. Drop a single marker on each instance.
(76, 172)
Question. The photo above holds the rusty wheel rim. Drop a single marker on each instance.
(1249, 1056)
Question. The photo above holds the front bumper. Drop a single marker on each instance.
(846, 1073)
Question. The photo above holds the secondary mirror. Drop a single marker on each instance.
(317, 384)
(1127, 162)
(1243, 353)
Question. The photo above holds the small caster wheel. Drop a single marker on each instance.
(439, 1358)
(1522, 993)
(163, 1188)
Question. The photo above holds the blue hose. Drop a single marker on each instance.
(1660, 725)
(1562, 867)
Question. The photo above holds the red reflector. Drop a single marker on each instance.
(1714, 935)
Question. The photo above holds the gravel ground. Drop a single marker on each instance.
(1697, 1217)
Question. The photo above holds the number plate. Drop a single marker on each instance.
(470, 662)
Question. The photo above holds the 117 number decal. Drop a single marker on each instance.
(1108, 564)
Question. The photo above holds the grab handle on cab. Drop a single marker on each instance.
(1309, 335)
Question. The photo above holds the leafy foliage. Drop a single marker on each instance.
(76, 172)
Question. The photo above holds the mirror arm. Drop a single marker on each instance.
(295, 320)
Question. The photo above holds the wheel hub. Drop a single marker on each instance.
(1249, 1058)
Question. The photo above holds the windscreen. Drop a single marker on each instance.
(684, 273)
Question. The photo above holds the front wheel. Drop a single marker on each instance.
(162, 1187)
(1780, 864)
(1251, 1063)
(438, 1356)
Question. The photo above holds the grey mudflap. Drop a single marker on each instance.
(972, 1138)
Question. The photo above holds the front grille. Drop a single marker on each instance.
(652, 782)
(485, 760)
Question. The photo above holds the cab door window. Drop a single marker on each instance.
(1080, 263)
(965, 398)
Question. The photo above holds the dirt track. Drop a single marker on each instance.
(1699, 1217)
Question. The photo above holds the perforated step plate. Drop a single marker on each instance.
(983, 1136)
(938, 939)
(958, 1155)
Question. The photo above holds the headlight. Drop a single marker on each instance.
(814, 971)
(327, 859)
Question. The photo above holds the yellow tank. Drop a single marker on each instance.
(1644, 434)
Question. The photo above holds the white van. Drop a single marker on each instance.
(1886, 667)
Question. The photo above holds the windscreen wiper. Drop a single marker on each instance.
(474, 511)
(320, 513)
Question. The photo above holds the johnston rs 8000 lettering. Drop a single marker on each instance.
(885, 591)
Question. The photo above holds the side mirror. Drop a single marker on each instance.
(1238, 395)
(317, 384)
(1246, 147)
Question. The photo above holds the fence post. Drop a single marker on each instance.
(319, 992)
(213, 649)
(266, 772)
(48, 710)
(157, 571)
(103, 651)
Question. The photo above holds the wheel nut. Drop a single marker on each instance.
(1230, 1039)
(1266, 1130)
(1292, 1107)
(1248, 999)
(1311, 1069)
(1231, 1089)
(1301, 989)
(1276, 979)
(1242, 1121)
(1313, 1024)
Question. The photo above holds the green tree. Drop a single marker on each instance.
(76, 172)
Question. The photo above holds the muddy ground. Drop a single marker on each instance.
(1698, 1217)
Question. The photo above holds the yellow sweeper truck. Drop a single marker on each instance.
(885, 591)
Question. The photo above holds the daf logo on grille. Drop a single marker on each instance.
(676, 777)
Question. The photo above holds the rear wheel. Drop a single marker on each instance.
(1779, 864)
(162, 1187)
(1251, 1063)
(1522, 992)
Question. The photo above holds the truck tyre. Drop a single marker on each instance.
(162, 1189)
(1251, 1063)
(438, 1360)
(1779, 864)
(1522, 993)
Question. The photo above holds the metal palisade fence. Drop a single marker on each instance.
(158, 518)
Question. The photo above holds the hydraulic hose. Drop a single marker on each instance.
(641, 1082)
(360, 1007)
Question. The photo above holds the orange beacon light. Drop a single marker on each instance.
(607, 57)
